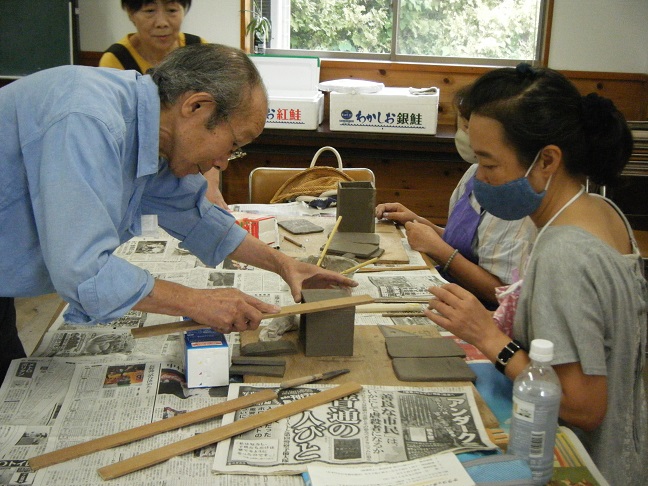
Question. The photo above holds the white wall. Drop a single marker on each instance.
(587, 35)
(103, 22)
(600, 35)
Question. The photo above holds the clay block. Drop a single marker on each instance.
(361, 245)
(433, 369)
(268, 348)
(356, 201)
(418, 347)
(327, 333)
(240, 369)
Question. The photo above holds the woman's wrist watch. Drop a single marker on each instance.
(506, 354)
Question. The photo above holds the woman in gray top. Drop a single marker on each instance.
(537, 140)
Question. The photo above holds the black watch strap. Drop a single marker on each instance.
(506, 354)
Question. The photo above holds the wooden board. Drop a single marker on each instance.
(390, 240)
(156, 456)
(288, 310)
(369, 365)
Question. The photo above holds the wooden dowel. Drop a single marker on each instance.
(294, 242)
(359, 265)
(165, 453)
(288, 310)
(328, 242)
(402, 268)
(149, 430)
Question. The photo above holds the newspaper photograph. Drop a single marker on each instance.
(380, 424)
(398, 286)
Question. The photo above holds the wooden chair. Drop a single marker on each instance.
(264, 182)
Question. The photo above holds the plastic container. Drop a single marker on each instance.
(536, 403)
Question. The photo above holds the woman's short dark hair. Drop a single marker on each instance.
(540, 107)
(226, 73)
(135, 5)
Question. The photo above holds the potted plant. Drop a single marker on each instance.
(259, 28)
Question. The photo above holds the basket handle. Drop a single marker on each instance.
(317, 154)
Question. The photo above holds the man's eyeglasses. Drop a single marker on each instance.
(238, 153)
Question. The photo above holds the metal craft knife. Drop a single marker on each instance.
(312, 378)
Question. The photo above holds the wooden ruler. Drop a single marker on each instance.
(289, 310)
(149, 430)
(165, 453)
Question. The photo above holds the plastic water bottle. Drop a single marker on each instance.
(536, 402)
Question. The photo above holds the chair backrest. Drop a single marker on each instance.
(265, 181)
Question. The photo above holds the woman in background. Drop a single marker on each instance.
(537, 140)
(158, 24)
(477, 250)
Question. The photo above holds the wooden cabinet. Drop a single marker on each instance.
(419, 171)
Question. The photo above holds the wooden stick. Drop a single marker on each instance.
(403, 314)
(294, 242)
(165, 453)
(383, 308)
(149, 430)
(289, 310)
(402, 268)
(328, 242)
(359, 265)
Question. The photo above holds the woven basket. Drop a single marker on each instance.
(312, 181)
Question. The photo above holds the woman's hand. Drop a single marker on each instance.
(425, 239)
(395, 212)
(461, 313)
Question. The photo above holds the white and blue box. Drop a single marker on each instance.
(390, 110)
(294, 102)
(206, 358)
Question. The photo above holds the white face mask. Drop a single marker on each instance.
(462, 142)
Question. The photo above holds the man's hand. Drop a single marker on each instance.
(225, 310)
(299, 275)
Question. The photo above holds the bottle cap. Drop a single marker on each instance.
(541, 350)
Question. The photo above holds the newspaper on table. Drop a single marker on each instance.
(380, 424)
(397, 286)
(98, 399)
(439, 470)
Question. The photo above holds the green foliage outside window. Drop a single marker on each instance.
(499, 29)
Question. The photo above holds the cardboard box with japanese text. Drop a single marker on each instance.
(390, 110)
(294, 102)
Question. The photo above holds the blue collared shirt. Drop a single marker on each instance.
(79, 165)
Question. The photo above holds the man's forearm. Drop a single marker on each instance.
(256, 253)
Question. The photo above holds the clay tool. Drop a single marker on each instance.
(312, 378)
(294, 242)
(328, 242)
(359, 265)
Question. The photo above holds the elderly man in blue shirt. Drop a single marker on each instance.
(87, 152)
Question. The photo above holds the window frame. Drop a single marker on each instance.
(542, 48)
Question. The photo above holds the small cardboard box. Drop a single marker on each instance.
(390, 110)
(206, 358)
(294, 102)
(261, 227)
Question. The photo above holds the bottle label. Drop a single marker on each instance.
(536, 448)
(523, 410)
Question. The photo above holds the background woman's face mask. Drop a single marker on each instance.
(462, 142)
